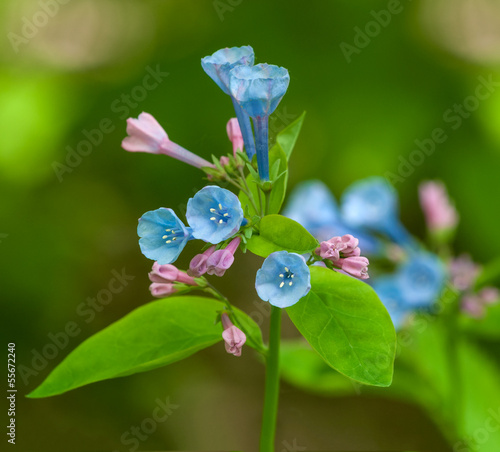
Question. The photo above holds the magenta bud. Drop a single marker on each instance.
(198, 265)
(356, 266)
(233, 337)
(162, 289)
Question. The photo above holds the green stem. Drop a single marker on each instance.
(260, 203)
(454, 368)
(270, 414)
(268, 198)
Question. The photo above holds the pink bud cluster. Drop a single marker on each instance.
(475, 304)
(344, 253)
(214, 262)
(164, 279)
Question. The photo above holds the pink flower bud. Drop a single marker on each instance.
(489, 295)
(339, 247)
(169, 273)
(439, 212)
(198, 265)
(472, 306)
(233, 337)
(162, 289)
(356, 266)
(327, 250)
(463, 272)
(224, 161)
(221, 260)
(234, 134)
(146, 135)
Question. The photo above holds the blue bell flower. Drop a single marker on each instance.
(422, 278)
(162, 235)
(388, 289)
(283, 279)
(372, 203)
(312, 205)
(215, 214)
(218, 67)
(258, 90)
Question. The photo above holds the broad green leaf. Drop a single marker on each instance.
(345, 322)
(304, 368)
(278, 233)
(279, 187)
(288, 136)
(154, 335)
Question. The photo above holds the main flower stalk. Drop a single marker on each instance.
(272, 387)
(262, 136)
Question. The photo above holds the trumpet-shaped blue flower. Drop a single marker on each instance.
(162, 235)
(422, 279)
(283, 279)
(258, 90)
(372, 203)
(218, 67)
(313, 206)
(389, 291)
(215, 214)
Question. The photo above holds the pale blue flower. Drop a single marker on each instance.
(283, 279)
(422, 278)
(218, 67)
(372, 203)
(388, 289)
(163, 235)
(215, 214)
(219, 64)
(312, 205)
(258, 90)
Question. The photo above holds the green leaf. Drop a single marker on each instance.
(288, 136)
(345, 322)
(302, 367)
(278, 233)
(154, 335)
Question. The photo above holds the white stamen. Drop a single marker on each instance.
(226, 214)
(213, 210)
(221, 221)
(286, 269)
(213, 219)
(282, 275)
(290, 283)
(282, 284)
(169, 241)
(165, 237)
(220, 206)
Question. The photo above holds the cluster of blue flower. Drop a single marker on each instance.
(369, 210)
(214, 215)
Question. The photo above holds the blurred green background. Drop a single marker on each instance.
(67, 222)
